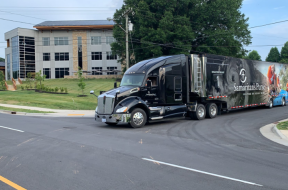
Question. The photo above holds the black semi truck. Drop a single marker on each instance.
(195, 86)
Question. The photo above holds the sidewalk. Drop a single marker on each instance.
(58, 113)
(271, 132)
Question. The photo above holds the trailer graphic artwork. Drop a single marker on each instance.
(246, 82)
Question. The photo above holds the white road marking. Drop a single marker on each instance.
(202, 172)
(12, 129)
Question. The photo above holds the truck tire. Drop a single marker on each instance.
(200, 112)
(211, 110)
(111, 124)
(283, 103)
(138, 118)
(270, 104)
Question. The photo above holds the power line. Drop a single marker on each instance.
(16, 21)
(21, 15)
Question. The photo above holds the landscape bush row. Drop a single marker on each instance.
(43, 88)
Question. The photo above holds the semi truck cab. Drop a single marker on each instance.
(150, 90)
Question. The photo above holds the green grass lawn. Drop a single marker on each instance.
(59, 101)
(23, 110)
(283, 125)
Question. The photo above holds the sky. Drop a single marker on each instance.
(34, 12)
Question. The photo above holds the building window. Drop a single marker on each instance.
(112, 70)
(47, 72)
(8, 69)
(62, 56)
(96, 55)
(46, 56)
(96, 70)
(110, 39)
(46, 41)
(110, 56)
(60, 41)
(95, 40)
(60, 72)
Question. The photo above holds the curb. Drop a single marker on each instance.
(271, 132)
(278, 132)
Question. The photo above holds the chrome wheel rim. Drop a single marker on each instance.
(213, 110)
(201, 112)
(283, 102)
(270, 105)
(138, 118)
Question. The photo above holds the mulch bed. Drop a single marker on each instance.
(40, 91)
(82, 96)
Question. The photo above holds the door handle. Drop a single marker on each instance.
(168, 108)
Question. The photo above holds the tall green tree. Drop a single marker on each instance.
(2, 59)
(164, 27)
(274, 55)
(284, 53)
(254, 55)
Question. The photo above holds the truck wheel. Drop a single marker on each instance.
(270, 104)
(111, 124)
(138, 118)
(211, 110)
(200, 112)
(283, 102)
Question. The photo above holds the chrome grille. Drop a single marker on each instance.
(105, 104)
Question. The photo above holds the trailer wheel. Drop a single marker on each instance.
(138, 118)
(211, 110)
(200, 112)
(283, 102)
(270, 104)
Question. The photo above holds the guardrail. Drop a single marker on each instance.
(6, 85)
(14, 83)
(20, 81)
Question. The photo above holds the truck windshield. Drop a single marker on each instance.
(132, 80)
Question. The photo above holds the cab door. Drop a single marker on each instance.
(173, 91)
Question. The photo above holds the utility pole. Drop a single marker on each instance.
(127, 29)
(127, 44)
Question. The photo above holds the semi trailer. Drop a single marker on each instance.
(198, 86)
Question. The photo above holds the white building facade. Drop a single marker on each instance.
(59, 48)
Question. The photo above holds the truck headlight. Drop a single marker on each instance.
(122, 110)
(96, 110)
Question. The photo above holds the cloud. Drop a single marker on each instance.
(278, 8)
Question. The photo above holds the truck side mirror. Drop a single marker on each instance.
(149, 84)
(92, 92)
(115, 84)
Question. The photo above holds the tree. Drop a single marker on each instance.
(164, 27)
(274, 55)
(253, 55)
(284, 53)
(2, 59)
(39, 78)
(2, 81)
(81, 83)
(29, 79)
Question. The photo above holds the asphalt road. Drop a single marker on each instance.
(77, 153)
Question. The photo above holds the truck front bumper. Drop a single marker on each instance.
(113, 118)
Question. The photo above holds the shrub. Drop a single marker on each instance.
(52, 89)
(42, 87)
(66, 90)
(56, 89)
(22, 88)
(62, 89)
(27, 87)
